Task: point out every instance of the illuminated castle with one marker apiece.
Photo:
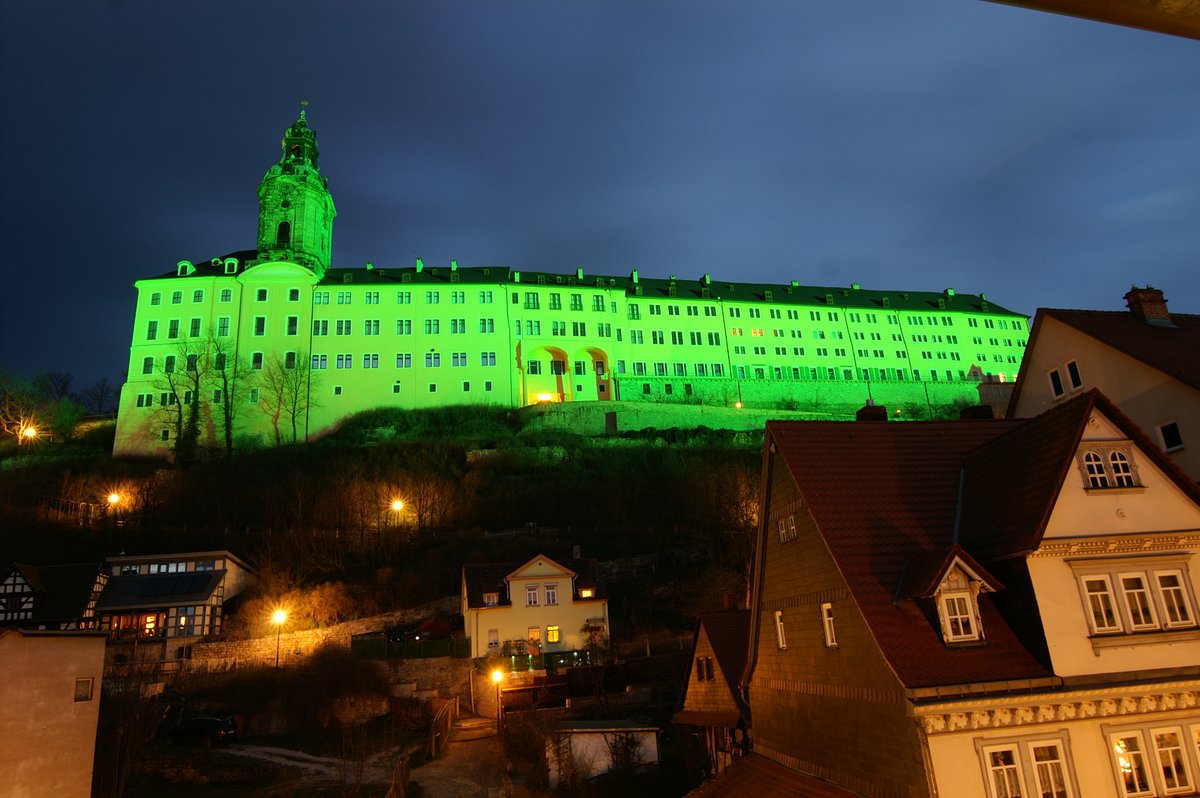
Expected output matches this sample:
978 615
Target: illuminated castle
274 343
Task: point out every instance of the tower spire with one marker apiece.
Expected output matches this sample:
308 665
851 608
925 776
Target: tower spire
295 210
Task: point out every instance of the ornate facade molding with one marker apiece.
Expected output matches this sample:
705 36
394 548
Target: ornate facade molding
1148 542
1011 712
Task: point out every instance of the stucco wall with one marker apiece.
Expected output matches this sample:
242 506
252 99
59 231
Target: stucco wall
48 737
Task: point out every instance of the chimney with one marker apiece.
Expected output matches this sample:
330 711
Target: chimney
1148 305
871 412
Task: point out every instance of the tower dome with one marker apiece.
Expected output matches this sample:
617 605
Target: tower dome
295 209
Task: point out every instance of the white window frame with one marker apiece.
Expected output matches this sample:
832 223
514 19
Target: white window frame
491 599
531 596
958 605
1109 595
1180 600
1096 466
1180 764
827 625
551 591
1026 773
780 634
1129 605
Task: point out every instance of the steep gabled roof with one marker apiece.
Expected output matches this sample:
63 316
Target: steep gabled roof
924 572
61 592
728 633
1173 350
1013 482
492 577
886 493
893 501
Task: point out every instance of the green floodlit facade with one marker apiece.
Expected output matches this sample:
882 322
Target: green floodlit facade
235 328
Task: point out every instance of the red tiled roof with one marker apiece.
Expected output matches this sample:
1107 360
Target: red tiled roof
755 776
1175 351
883 494
923 573
894 496
1171 350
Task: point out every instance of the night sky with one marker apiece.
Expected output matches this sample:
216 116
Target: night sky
1048 161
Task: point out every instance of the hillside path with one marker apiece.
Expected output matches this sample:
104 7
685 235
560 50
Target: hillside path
472 765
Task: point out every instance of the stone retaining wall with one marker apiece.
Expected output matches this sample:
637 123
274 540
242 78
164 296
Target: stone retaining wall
294 647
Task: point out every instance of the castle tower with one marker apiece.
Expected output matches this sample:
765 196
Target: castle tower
295 209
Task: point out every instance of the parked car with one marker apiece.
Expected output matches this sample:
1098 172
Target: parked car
203 731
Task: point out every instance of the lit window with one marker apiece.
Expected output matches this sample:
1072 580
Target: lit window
535 635
780 637
552 634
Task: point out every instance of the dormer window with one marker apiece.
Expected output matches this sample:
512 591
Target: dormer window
1108 466
491 599
957 599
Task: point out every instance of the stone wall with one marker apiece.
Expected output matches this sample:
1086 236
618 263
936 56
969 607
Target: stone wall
294 647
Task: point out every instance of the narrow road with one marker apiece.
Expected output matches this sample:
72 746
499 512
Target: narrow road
472 765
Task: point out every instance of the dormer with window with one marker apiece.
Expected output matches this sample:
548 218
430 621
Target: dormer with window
953 581
957 600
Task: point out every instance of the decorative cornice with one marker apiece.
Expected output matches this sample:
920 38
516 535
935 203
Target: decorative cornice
1145 542
1031 710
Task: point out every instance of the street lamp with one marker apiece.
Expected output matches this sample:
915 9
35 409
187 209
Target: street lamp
114 499
497 677
29 433
278 618
397 505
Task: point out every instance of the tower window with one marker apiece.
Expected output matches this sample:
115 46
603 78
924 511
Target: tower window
283 235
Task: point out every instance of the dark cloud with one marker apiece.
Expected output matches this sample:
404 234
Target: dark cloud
1045 160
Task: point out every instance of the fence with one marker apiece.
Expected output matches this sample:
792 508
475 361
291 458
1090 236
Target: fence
376 645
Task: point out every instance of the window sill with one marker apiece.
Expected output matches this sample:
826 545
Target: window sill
1117 490
1119 640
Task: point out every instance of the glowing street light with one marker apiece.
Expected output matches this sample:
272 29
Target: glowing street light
29 433
114 499
278 618
497 677
397 505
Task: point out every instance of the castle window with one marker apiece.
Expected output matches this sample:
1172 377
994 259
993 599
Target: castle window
148 365
156 298
176 297
283 234
261 295
226 294
293 295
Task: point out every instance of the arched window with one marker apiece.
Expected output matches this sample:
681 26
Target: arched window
283 235
1122 473
1095 470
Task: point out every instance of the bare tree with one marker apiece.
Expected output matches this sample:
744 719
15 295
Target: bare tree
232 378
286 385
180 379
99 397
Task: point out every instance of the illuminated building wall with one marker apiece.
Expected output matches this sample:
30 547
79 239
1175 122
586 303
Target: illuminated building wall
424 336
